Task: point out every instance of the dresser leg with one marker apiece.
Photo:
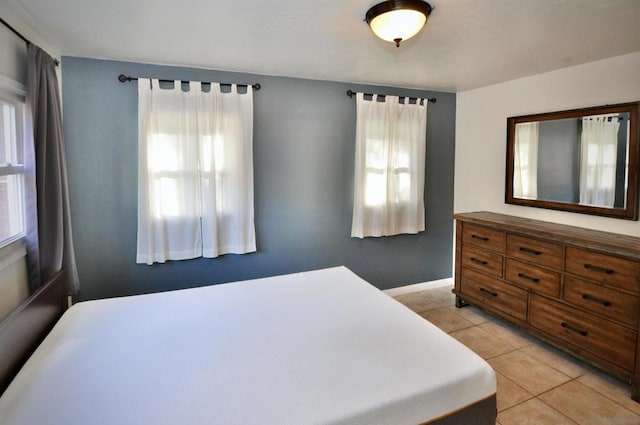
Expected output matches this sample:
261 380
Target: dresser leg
460 302
635 390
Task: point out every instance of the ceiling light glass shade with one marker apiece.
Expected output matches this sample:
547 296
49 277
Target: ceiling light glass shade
397 20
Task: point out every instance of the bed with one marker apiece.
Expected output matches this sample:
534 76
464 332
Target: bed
319 347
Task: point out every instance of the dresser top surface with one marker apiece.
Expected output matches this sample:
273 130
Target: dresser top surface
614 243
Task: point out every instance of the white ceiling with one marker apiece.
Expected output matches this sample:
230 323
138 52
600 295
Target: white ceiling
466 43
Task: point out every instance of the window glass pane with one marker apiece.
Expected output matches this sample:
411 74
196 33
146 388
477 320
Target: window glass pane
11 201
403 187
164 153
375 153
375 188
8 152
167 201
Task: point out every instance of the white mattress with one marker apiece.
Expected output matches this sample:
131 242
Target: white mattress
321 347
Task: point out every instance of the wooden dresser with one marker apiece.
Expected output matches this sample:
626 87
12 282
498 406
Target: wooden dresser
576 288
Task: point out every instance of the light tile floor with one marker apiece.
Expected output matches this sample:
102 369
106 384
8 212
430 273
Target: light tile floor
537 383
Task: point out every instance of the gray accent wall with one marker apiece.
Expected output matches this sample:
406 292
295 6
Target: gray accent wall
559 160
304 144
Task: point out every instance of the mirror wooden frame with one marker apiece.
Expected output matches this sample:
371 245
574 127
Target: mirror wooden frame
630 212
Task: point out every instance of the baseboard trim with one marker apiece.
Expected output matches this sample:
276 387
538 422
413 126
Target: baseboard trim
394 292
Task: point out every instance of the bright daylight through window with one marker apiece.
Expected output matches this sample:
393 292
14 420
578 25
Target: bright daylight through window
11 169
389 166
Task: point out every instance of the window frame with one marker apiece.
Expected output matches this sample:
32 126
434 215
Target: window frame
14 94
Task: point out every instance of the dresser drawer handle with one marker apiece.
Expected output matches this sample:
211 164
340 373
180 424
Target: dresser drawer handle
526 277
477 261
598 269
530 251
482 238
596 300
488 292
575 329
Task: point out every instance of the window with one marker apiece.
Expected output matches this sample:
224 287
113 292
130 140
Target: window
525 158
390 166
11 167
195 172
599 145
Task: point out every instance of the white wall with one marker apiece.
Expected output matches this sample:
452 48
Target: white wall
13 12
481 121
13 283
14 53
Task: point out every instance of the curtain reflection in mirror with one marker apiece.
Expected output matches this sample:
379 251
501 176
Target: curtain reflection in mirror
599 142
525 170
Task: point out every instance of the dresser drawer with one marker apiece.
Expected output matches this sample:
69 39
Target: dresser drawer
535 278
483 237
605 301
615 271
501 296
483 261
546 254
611 342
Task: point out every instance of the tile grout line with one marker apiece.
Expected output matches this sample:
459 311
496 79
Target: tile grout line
608 398
592 389
535 397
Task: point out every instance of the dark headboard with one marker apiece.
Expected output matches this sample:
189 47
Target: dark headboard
25 328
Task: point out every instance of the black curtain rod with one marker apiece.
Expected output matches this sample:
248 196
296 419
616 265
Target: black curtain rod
350 93
124 78
25 39
619 118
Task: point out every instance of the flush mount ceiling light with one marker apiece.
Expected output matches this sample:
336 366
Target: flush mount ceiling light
398 20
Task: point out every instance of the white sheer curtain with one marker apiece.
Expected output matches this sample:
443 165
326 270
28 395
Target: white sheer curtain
599 145
195 172
389 167
525 161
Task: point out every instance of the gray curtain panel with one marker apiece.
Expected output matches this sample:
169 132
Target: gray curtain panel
54 218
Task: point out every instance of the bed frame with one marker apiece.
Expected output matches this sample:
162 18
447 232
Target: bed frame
483 412
25 328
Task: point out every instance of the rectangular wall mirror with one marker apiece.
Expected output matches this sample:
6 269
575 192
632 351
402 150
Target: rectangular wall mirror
583 160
